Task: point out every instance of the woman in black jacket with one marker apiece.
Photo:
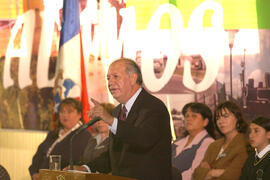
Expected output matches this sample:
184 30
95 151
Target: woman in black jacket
57 142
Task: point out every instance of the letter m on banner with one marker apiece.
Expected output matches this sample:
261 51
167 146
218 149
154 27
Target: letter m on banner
70 79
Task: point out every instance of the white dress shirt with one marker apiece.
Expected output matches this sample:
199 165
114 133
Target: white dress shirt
263 152
128 106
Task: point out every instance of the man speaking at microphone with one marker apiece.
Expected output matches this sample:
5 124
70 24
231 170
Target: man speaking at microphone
140 135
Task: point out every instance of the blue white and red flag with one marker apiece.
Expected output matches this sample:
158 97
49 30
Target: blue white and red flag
71 80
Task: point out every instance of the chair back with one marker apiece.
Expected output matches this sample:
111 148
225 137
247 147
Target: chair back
4 174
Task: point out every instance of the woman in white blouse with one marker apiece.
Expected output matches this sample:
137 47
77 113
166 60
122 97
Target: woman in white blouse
189 151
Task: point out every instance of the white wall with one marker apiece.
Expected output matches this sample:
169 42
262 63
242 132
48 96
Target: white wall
17 148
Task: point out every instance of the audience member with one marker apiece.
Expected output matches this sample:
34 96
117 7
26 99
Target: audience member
257 166
100 141
4 173
97 144
199 134
225 157
57 142
140 135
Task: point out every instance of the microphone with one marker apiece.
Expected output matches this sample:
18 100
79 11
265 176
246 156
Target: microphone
90 123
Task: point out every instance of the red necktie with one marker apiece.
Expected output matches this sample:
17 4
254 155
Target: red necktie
122 115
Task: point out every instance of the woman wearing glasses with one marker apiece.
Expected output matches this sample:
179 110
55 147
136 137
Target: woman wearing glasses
225 157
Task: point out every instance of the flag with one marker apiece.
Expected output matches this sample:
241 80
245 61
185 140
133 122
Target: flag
84 95
70 79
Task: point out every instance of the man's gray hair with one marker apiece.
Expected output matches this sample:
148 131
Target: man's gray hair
131 67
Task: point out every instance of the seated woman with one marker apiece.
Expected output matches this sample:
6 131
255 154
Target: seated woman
100 141
57 142
97 145
189 151
257 166
225 157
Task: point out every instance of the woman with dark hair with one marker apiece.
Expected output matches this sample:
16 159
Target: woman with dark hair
57 142
225 157
189 151
229 107
257 166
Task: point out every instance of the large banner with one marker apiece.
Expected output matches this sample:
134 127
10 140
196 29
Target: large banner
202 50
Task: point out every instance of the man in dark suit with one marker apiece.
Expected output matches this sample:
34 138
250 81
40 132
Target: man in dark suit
140 135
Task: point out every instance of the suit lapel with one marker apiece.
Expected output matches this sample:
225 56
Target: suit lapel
115 143
116 111
133 119
133 114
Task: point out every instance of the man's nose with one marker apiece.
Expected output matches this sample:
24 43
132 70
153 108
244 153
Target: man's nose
64 115
187 118
110 81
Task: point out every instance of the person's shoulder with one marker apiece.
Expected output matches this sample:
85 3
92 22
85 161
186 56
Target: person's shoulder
241 137
51 134
180 140
241 140
148 97
145 94
209 140
219 140
146 101
267 158
86 133
216 143
251 156
250 159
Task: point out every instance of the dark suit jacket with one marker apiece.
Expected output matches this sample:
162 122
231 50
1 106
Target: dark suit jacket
41 161
141 148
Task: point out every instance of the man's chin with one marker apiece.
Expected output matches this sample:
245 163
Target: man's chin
114 95
117 98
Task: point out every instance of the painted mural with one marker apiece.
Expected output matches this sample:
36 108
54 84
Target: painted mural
204 50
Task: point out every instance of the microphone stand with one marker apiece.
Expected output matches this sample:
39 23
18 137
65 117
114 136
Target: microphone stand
70 155
78 131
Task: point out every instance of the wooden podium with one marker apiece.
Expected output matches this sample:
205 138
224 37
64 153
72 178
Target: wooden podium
45 174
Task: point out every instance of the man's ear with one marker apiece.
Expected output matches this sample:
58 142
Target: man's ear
133 78
268 135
